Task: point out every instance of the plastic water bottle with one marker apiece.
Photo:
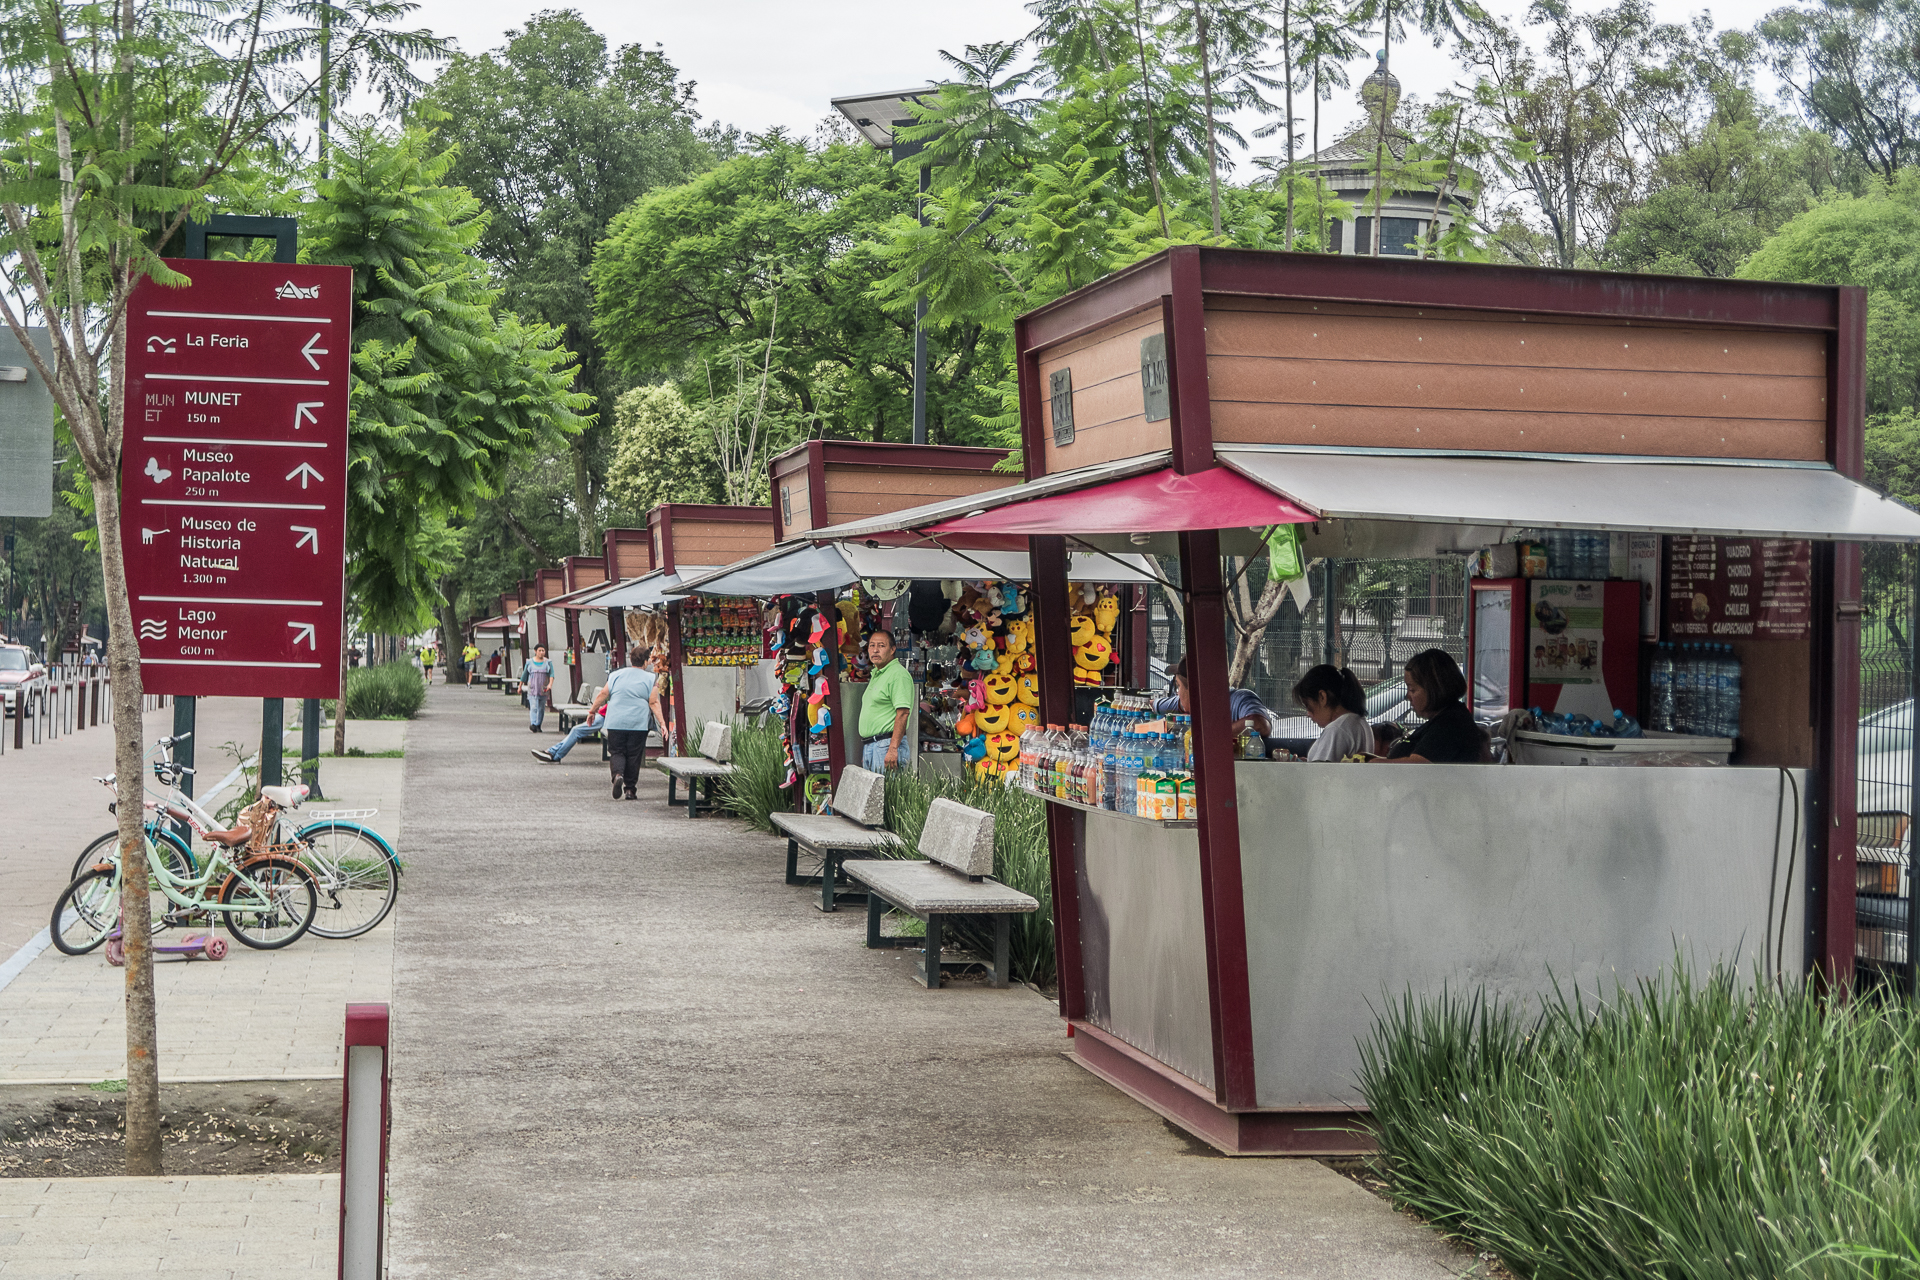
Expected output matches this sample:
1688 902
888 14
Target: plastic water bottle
1730 720
1559 553
1660 688
1625 726
1683 689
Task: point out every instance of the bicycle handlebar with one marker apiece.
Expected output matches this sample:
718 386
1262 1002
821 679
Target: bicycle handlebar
178 737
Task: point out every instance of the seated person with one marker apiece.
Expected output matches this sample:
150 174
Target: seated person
1243 705
1449 736
1385 734
596 717
1334 700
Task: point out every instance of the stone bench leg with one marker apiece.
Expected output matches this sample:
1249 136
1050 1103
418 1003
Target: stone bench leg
672 782
793 862
1002 947
877 907
930 961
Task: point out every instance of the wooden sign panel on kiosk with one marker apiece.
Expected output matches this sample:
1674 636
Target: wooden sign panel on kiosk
1198 348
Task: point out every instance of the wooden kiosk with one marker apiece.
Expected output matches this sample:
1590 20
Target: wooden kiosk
1221 970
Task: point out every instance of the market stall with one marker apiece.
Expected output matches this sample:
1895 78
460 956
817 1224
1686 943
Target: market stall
958 617
1220 962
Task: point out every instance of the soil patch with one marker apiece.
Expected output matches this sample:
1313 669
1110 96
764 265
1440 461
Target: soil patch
245 1126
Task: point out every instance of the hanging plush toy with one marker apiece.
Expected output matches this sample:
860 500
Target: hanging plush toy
1083 629
1090 659
1027 689
1000 690
1003 748
1024 718
993 720
1106 613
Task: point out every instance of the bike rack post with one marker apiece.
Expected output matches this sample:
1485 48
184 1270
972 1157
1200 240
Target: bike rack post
366 1120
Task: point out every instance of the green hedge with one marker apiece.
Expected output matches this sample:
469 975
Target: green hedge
390 691
1674 1131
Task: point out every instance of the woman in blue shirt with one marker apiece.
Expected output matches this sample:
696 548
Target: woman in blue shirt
632 700
1243 704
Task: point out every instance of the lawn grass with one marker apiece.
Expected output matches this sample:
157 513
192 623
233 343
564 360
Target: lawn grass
1678 1130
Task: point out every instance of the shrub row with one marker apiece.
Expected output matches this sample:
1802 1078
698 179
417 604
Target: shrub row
1677 1130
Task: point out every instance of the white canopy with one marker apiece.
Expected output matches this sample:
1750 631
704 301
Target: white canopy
803 567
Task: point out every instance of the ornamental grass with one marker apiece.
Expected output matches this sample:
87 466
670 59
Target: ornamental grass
1681 1129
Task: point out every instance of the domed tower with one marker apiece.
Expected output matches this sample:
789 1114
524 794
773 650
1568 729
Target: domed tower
1406 213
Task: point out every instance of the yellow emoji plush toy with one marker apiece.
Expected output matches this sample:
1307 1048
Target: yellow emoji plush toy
1083 629
1024 718
1003 748
993 720
1028 690
1000 689
1090 659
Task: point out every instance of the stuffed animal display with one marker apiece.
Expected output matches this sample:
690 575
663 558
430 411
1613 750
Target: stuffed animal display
992 625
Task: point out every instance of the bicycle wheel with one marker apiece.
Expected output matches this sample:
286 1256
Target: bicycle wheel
357 875
86 912
276 900
178 860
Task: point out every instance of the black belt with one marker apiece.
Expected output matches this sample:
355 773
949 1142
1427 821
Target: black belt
878 737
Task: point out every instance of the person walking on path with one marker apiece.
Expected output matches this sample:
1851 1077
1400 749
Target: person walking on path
884 708
632 700
427 656
470 658
538 676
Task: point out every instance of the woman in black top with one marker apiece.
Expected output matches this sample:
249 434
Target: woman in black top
1449 736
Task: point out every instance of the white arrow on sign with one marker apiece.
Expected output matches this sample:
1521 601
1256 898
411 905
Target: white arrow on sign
305 471
308 536
303 631
303 412
310 351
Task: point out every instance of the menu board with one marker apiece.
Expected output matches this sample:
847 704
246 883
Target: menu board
1739 588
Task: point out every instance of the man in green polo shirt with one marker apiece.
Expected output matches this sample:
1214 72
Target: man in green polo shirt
884 708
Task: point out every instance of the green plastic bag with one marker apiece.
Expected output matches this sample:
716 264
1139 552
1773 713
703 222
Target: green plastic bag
1283 548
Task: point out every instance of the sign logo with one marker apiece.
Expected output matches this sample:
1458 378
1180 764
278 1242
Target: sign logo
289 291
153 629
158 472
148 535
163 345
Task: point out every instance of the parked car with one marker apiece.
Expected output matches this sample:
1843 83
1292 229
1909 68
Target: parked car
23 681
1883 766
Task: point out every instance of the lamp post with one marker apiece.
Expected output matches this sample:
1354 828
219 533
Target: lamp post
876 116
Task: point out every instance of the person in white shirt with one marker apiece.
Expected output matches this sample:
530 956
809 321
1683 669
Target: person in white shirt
1335 701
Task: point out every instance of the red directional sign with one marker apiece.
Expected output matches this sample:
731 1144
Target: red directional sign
233 479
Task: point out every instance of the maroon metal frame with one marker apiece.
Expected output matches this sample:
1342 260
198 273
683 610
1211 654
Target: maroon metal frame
661 518
1178 283
368 1025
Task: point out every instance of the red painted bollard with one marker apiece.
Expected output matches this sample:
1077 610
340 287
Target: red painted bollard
365 1121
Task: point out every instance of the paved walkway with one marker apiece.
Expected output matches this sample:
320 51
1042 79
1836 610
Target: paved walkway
625 1048
265 1228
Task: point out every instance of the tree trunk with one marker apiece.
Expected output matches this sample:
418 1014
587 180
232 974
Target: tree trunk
340 704
1380 150
1153 129
1250 630
1206 85
123 660
583 495
1286 59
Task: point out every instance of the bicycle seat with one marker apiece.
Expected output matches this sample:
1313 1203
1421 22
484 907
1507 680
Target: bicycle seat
285 797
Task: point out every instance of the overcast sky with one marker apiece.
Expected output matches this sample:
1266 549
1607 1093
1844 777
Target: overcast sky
761 63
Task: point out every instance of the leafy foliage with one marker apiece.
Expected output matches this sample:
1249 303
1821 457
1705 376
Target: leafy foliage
663 450
1673 1130
449 388
392 690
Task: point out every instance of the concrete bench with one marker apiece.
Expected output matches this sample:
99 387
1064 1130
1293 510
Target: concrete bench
955 880
854 828
574 713
716 753
494 682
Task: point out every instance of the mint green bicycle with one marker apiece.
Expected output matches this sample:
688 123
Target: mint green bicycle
267 900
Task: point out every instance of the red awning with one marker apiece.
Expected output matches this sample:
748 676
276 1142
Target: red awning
1159 502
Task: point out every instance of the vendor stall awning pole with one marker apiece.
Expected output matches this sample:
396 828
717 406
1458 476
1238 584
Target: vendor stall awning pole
1066 828
1222 898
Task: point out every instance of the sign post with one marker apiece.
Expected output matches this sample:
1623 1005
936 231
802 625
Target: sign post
234 476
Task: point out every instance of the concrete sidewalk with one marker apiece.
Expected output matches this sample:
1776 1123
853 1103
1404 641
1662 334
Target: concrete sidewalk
624 1047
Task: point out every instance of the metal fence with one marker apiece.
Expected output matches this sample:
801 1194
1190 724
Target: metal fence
70 700
1884 765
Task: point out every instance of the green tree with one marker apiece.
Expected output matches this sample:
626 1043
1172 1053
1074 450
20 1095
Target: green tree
450 388
556 135
1853 66
117 123
689 279
663 450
